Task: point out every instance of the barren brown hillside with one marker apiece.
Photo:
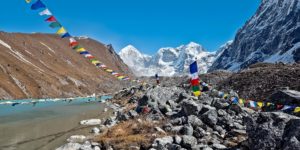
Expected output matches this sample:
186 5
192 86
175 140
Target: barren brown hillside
43 65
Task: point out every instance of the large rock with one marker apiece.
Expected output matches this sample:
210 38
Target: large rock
285 97
210 117
291 135
194 121
187 130
272 130
188 141
190 107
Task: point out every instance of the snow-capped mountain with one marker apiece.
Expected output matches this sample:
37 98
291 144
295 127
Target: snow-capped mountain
167 61
271 35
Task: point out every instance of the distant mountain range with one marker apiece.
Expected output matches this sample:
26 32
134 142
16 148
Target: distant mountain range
167 61
271 35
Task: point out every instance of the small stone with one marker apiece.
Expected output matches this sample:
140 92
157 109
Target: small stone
161 131
105 110
222 112
219 146
69 146
133 114
96 130
76 139
163 141
91 122
177 139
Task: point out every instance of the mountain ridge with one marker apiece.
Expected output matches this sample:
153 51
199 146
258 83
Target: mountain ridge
270 35
167 61
43 65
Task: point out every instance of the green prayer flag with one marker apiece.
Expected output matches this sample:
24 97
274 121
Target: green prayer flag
77 47
196 88
55 25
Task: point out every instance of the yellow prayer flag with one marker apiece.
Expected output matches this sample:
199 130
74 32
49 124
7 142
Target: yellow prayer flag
225 96
109 70
121 77
297 110
62 30
260 104
269 104
81 50
198 93
241 101
95 62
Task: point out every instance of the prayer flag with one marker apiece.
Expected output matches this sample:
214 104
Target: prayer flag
66 35
198 93
195 82
194 68
51 19
109 70
73 42
55 25
62 30
80 49
45 12
38 5
121 77
84 53
297 110
260 104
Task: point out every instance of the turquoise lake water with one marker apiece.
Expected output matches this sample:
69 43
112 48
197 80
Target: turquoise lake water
31 124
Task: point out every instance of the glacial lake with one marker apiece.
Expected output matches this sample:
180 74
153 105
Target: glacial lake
46 123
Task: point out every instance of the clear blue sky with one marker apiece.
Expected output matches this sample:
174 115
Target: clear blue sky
146 24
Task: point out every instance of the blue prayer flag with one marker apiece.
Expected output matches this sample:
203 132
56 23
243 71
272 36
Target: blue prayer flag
66 35
84 53
194 67
38 5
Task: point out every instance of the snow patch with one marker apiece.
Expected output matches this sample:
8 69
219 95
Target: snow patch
18 55
76 82
49 48
20 85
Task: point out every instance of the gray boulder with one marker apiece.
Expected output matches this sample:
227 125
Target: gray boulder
291 135
210 117
187 130
189 107
194 121
188 141
271 130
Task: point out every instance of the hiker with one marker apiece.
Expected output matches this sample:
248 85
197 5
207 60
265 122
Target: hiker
157 79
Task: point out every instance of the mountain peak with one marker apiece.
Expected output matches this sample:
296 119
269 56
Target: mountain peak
167 61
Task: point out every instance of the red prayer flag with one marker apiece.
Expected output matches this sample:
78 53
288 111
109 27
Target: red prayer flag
51 19
195 82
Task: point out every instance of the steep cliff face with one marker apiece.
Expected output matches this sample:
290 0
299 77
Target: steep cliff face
43 65
271 35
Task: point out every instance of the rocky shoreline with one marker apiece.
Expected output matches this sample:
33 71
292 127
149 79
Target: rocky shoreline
157 117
